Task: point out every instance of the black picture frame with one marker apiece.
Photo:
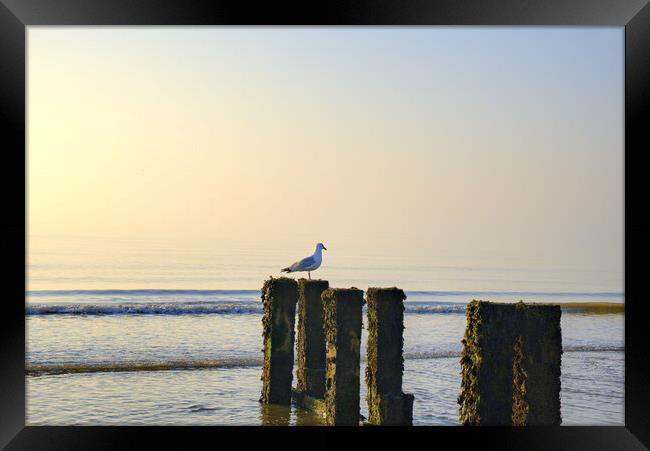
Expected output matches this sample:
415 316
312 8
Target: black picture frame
16 15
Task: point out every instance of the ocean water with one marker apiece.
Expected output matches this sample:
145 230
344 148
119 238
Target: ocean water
111 357
134 333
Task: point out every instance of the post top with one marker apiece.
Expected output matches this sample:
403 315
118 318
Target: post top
279 280
391 291
345 290
521 305
345 294
312 281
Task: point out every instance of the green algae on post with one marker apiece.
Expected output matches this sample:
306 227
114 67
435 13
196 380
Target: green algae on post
316 406
519 383
310 343
387 404
342 316
510 364
279 297
310 411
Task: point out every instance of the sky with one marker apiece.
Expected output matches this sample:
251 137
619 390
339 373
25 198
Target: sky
470 146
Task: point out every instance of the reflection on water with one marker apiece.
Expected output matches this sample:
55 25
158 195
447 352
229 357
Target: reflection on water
306 417
275 414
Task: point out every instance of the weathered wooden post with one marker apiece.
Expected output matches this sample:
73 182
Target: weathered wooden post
387 404
342 318
537 368
311 338
510 365
279 297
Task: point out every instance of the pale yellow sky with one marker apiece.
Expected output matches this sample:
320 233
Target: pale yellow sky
487 141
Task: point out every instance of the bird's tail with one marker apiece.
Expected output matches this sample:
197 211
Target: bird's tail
285 270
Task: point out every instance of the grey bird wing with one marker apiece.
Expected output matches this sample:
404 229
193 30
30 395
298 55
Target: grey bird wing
301 265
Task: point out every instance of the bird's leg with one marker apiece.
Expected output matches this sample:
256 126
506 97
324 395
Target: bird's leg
309 274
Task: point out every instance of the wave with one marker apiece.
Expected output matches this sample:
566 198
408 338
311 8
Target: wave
422 308
445 354
214 308
203 308
255 307
142 292
101 367
597 294
42 369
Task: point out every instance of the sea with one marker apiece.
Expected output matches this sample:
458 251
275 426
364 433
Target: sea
133 333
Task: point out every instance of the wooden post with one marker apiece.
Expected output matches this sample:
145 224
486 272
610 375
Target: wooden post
510 365
279 297
342 318
387 404
540 368
311 338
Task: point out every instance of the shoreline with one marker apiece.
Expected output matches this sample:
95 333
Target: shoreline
592 307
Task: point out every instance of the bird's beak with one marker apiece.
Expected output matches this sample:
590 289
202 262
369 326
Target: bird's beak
324 248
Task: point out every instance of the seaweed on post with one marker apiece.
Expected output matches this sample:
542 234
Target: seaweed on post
310 345
342 317
279 298
510 364
387 404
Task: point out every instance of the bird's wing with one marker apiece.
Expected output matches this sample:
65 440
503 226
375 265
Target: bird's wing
306 262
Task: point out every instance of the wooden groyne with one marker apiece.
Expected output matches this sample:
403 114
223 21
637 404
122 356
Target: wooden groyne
510 365
279 297
342 315
310 343
387 404
510 362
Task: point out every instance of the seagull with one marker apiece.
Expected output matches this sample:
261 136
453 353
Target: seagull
310 263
